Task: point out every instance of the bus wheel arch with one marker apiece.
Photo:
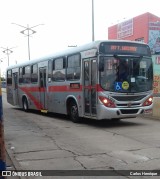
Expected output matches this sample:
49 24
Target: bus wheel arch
72 110
25 104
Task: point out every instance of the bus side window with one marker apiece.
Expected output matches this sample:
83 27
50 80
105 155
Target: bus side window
9 77
50 70
20 75
34 73
27 74
58 70
73 67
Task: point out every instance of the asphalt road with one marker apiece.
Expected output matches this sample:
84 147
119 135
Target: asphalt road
36 141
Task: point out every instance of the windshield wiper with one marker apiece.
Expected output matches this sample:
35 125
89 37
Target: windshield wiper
118 57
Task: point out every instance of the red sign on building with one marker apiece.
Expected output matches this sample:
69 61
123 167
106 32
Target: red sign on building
125 29
139 28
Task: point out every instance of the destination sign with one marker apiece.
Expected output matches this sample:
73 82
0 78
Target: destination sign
124 48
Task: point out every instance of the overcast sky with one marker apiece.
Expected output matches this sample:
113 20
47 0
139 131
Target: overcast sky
66 22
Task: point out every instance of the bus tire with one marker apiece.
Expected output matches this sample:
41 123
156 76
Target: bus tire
73 112
25 104
116 119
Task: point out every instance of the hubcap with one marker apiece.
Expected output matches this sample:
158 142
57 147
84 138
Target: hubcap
25 104
74 112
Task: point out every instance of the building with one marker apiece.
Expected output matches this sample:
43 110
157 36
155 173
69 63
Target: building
145 28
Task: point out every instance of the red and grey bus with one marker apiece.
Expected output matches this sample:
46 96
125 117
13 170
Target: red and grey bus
100 80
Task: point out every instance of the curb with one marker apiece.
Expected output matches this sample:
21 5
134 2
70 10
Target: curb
150 116
12 164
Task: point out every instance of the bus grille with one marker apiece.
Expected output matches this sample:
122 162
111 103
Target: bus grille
129 98
130 111
131 105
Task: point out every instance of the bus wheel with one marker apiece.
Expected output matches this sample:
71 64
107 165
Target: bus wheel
116 119
73 112
25 104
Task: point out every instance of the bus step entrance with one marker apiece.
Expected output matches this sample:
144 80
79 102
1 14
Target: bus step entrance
44 110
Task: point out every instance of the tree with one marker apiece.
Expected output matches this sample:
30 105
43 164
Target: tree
3 79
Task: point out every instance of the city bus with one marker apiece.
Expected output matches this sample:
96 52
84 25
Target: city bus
109 79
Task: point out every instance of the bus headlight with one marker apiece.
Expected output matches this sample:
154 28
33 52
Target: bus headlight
149 101
107 102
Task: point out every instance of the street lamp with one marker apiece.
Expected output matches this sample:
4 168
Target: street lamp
7 51
28 31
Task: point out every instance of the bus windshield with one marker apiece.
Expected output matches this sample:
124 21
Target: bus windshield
126 74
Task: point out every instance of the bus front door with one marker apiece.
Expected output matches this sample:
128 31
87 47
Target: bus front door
15 88
42 88
90 78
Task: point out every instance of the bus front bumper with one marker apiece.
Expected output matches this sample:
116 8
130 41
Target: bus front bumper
111 113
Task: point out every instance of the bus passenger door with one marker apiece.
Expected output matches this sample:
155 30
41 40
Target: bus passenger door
89 81
15 88
42 88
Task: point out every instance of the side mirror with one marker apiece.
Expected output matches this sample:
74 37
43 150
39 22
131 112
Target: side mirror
101 64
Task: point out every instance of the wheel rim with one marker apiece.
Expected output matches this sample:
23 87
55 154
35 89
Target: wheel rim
74 112
25 105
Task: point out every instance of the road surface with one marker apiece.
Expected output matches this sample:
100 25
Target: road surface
38 141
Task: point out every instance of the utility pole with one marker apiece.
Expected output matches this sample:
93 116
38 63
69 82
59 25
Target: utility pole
28 31
92 20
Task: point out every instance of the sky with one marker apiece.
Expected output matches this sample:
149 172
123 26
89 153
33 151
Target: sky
60 23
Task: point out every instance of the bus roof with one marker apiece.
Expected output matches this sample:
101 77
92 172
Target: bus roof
85 47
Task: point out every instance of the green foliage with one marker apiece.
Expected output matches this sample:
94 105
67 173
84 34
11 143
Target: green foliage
3 79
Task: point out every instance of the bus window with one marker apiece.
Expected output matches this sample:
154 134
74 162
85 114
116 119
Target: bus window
59 70
109 73
20 75
34 73
94 74
9 77
73 67
26 74
50 70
